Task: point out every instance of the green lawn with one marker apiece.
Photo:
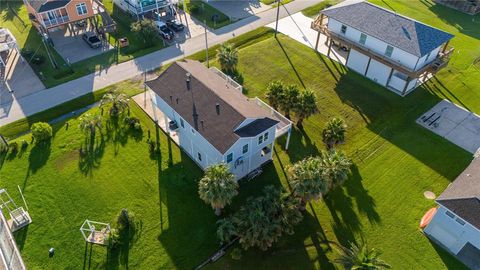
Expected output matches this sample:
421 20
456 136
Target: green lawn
28 38
204 12
395 162
314 10
274 2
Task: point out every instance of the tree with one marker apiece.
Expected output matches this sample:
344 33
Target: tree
227 56
41 131
146 31
360 257
307 179
119 101
275 92
89 123
334 133
218 187
306 106
335 167
262 220
289 99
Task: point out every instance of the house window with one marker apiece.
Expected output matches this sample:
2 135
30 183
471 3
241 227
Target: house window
426 57
450 214
182 123
81 9
199 156
229 157
389 51
266 150
260 139
461 222
265 137
245 149
363 38
343 29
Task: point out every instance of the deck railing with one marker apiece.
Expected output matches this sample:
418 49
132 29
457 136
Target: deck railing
227 78
284 125
10 257
56 21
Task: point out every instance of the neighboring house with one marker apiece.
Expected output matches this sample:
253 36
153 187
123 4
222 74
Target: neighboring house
50 15
213 121
456 224
471 7
10 258
139 8
7 44
394 51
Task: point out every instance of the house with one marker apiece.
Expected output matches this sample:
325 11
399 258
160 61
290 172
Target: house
394 51
50 15
456 223
8 43
212 121
10 257
140 8
471 7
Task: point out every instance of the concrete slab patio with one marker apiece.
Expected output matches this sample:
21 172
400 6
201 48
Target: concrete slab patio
454 123
237 10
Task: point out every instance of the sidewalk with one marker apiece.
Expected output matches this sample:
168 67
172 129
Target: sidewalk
45 99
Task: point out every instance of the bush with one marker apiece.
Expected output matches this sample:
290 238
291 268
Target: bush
38 59
146 31
133 123
24 144
13 146
41 131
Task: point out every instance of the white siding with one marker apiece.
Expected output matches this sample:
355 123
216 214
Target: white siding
428 58
378 72
357 61
450 233
374 44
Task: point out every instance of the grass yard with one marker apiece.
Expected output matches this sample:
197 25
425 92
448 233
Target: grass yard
28 38
274 2
395 159
314 10
203 12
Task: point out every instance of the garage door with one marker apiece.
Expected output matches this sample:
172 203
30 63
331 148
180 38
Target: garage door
378 72
443 236
357 61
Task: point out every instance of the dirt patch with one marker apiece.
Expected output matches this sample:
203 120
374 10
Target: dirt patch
65 159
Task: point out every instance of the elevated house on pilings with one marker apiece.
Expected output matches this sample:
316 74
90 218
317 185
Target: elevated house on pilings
471 7
51 15
8 43
146 8
392 50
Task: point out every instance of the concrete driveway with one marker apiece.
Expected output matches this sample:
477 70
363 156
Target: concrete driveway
237 10
73 48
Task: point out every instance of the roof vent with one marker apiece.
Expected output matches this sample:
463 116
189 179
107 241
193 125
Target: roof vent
188 81
217 107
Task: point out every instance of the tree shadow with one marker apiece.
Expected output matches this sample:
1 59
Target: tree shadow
91 153
291 63
39 155
365 203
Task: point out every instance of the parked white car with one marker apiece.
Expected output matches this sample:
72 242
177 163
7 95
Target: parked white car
164 31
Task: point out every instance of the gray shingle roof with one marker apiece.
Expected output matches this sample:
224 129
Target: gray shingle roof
462 195
402 32
207 89
256 127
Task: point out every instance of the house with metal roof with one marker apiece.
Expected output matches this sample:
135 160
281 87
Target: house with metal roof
395 51
212 121
456 223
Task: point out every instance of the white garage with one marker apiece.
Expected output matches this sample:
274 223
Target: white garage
357 61
378 72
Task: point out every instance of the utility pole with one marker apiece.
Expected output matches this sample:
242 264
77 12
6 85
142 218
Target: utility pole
206 42
279 2
44 38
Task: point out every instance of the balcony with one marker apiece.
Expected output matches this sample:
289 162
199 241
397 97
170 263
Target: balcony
149 5
55 21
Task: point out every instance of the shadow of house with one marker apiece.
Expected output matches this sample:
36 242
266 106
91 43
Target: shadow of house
465 24
448 260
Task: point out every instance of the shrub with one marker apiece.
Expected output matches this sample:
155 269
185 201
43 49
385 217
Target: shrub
133 123
146 31
41 131
24 144
13 146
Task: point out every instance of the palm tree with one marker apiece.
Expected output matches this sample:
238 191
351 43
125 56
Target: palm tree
226 230
218 187
360 257
119 101
227 57
334 133
89 123
275 92
335 167
289 99
307 180
306 106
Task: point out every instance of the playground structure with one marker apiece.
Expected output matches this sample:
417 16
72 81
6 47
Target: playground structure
95 232
19 217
